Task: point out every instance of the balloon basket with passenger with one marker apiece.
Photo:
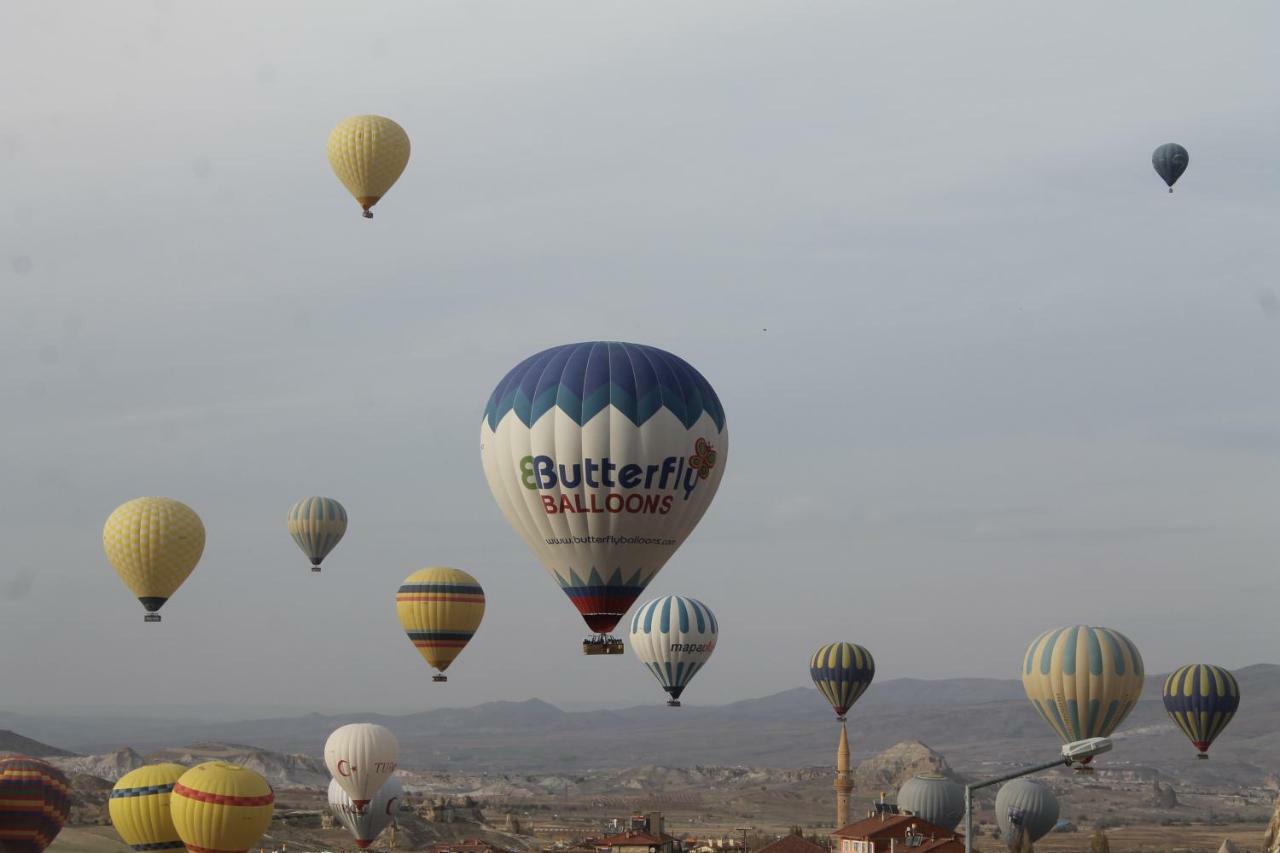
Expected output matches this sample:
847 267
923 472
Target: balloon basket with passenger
602 644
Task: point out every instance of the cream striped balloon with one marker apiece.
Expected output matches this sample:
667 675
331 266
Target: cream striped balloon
153 544
368 153
317 524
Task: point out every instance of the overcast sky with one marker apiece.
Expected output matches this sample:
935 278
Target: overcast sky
1007 382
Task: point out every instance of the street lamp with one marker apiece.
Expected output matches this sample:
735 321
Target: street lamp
1079 750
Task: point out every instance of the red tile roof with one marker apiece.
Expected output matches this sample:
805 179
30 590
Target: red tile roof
793 844
892 826
633 839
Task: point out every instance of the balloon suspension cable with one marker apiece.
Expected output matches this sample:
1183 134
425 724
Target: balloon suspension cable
439 676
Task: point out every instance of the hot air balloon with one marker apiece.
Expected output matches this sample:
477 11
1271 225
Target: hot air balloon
35 799
361 757
368 153
440 609
1201 699
317 525
842 672
218 806
367 825
603 457
933 798
674 637
1025 807
1083 681
139 807
1170 161
153 544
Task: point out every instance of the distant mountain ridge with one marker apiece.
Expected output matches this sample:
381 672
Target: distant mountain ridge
975 723
14 743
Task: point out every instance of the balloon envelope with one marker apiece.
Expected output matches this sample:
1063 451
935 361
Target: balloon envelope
1170 161
933 798
842 672
35 799
140 807
440 609
361 757
221 806
317 525
1083 681
674 637
378 815
1201 699
153 544
603 457
1025 806
368 153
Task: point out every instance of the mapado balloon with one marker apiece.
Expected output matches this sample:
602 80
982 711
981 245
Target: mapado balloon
603 456
153 544
1083 681
361 757
317 524
140 807
367 825
440 609
1201 699
842 672
674 637
1170 161
223 807
368 153
35 799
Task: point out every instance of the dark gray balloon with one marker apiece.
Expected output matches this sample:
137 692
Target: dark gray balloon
1025 805
1170 161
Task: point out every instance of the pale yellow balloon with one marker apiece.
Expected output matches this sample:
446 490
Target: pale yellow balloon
368 153
153 544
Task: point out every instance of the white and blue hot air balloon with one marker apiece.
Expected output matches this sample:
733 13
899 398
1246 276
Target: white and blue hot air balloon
603 456
365 826
674 637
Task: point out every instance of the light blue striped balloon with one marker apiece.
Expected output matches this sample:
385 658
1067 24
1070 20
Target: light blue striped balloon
674 637
317 524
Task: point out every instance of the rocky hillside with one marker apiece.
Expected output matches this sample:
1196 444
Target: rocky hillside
281 770
14 743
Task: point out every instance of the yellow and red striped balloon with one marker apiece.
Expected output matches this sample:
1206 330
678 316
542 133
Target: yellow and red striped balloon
35 799
221 808
440 609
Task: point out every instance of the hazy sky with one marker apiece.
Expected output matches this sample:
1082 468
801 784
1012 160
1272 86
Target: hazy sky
1008 381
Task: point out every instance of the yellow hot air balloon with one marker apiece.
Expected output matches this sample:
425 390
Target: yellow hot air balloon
153 544
1082 680
221 807
440 609
139 807
368 153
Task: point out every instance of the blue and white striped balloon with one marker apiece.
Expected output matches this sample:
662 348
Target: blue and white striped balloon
317 524
674 636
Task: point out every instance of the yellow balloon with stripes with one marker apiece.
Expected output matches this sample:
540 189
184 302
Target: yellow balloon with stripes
1082 680
139 807
440 609
1201 699
153 544
368 153
219 807
317 525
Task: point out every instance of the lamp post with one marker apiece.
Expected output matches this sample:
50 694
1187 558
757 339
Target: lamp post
1071 753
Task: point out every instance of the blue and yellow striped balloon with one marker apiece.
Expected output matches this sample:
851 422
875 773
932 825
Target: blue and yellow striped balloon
842 673
1083 681
1201 699
139 807
317 525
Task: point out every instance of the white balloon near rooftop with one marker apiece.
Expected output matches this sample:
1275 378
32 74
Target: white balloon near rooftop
367 825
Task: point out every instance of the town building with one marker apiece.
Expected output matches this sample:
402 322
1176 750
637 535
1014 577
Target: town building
793 844
885 832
